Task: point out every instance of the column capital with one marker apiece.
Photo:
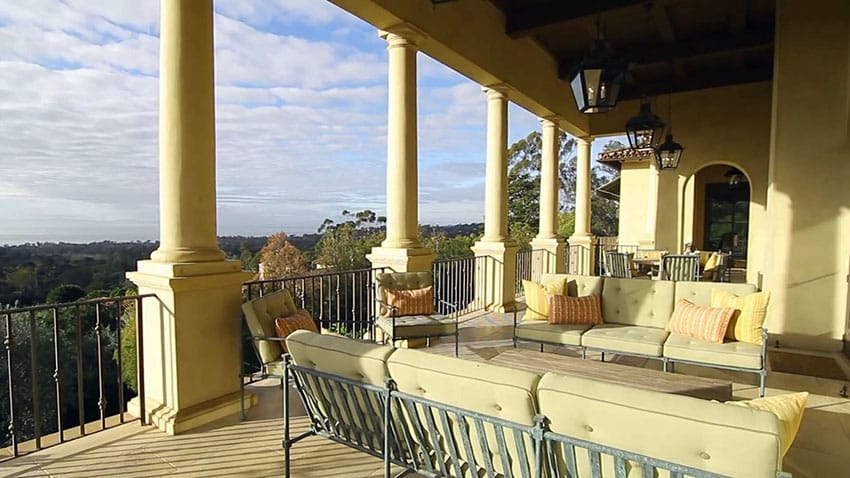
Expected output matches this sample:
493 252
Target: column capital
549 121
497 91
402 34
584 140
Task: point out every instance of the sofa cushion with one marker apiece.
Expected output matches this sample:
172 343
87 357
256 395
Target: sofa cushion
260 315
747 324
410 326
575 310
412 301
787 408
539 331
628 339
700 292
704 323
647 303
537 296
731 354
352 359
577 285
718 438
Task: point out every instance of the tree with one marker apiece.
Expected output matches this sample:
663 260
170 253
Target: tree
344 245
446 247
65 293
279 258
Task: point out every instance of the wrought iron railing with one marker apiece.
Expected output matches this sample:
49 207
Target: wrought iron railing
523 269
339 301
66 371
455 282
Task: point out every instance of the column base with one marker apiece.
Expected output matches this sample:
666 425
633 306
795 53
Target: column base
548 256
498 289
582 255
174 421
402 260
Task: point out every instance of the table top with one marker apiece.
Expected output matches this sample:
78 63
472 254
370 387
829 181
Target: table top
647 379
646 261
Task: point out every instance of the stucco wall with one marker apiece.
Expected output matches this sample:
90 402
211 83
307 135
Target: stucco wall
634 177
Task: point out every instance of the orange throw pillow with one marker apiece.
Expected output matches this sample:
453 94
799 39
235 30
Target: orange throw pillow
412 301
585 310
300 320
704 323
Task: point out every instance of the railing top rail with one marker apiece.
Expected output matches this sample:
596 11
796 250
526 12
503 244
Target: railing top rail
62 305
313 276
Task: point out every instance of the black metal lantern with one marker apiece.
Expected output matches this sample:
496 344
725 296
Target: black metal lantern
597 79
645 129
669 153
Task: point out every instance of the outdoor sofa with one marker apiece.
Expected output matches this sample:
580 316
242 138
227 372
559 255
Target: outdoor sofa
635 314
443 416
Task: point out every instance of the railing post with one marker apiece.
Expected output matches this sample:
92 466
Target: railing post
36 394
140 361
7 343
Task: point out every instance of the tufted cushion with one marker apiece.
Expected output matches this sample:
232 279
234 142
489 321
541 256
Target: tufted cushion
747 323
685 430
704 323
540 331
629 339
300 320
352 359
575 310
647 303
493 390
260 314
731 354
412 301
401 281
700 292
410 326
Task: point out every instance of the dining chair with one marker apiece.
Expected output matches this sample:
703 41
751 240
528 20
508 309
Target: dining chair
618 264
680 267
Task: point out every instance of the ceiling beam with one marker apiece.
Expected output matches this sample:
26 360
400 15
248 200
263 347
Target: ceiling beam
698 82
524 21
672 52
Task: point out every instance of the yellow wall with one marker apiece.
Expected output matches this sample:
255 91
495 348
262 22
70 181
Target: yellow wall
809 202
633 201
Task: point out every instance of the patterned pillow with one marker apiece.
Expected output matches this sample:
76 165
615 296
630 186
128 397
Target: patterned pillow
537 297
301 319
746 325
586 310
412 301
787 408
704 323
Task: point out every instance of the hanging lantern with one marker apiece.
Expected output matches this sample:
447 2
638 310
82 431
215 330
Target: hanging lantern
645 129
669 153
597 79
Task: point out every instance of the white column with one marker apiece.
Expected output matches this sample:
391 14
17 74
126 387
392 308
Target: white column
402 250
499 267
197 292
582 253
548 255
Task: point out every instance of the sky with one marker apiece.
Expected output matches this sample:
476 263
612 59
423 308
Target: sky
301 101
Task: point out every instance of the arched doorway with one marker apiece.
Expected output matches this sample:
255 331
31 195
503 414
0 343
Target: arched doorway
721 212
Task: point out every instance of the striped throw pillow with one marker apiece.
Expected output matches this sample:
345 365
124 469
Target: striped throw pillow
585 310
412 301
704 323
300 320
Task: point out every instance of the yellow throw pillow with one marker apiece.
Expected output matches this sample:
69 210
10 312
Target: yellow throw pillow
787 408
412 301
537 297
586 310
704 323
746 325
712 261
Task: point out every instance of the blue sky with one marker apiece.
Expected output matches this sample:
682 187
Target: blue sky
300 114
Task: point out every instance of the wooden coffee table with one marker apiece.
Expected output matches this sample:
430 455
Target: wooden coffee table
541 362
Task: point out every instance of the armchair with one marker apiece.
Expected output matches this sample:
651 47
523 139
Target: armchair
406 308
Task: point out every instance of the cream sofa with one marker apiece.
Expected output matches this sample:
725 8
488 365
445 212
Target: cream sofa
453 417
635 313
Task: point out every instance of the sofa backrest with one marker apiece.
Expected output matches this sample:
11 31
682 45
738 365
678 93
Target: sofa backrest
259 316
700 292
647 303
352 359
706 435
576 285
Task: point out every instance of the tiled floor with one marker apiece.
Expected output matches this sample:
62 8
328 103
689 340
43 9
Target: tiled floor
231 448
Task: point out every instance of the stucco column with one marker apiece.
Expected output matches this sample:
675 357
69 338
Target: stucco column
548 248
647 241
401 249
582 255
496 247
191 329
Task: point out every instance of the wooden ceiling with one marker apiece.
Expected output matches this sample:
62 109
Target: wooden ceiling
669 45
